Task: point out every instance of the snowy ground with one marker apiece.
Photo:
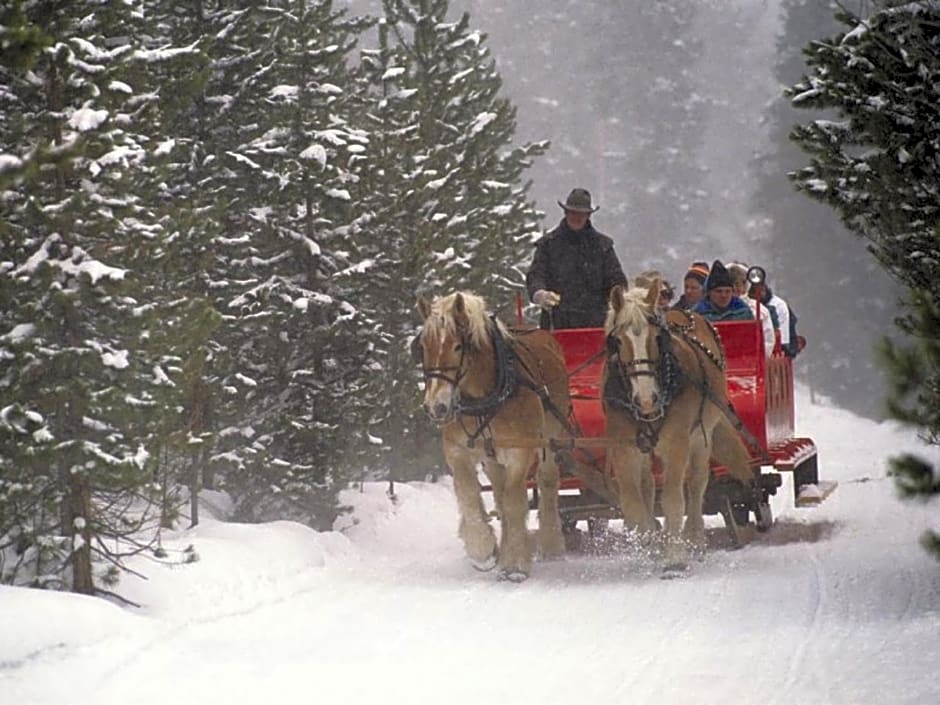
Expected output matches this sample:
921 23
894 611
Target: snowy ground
836 605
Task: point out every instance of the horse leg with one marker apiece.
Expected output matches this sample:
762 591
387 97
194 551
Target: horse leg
474 528
515 547
648 490
636 490
698 473
550 539
675 457
497 477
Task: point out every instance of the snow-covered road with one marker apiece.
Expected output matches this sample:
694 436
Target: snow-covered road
836 605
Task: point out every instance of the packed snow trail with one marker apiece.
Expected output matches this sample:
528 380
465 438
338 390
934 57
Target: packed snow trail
835 605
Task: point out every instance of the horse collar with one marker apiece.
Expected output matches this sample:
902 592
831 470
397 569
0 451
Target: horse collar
505 386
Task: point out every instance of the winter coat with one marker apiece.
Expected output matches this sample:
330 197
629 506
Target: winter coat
582 267
767 325
780 311
683 305
793 349
737 311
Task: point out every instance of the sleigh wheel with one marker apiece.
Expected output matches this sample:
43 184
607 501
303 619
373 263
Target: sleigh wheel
763 515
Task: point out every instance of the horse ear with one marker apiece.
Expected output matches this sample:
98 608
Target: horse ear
424 306
652 294
615 297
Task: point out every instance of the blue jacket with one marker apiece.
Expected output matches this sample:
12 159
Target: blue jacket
737 310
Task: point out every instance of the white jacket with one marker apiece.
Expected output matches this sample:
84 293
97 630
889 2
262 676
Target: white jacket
766 323
783 317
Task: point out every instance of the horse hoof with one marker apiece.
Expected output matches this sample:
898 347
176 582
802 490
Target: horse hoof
486 565
513 575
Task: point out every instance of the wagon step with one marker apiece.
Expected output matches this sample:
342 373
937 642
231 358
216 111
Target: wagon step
812 494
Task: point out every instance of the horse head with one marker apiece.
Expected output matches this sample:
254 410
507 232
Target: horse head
633 327
454 332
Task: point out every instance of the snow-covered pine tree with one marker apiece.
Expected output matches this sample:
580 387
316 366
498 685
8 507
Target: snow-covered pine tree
444 194
876 163
806 242
293 357
82 231
914 375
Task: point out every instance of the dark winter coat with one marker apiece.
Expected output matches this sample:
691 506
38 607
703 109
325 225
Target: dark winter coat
579 265
682 305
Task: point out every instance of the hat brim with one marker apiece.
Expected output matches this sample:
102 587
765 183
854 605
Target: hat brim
577 209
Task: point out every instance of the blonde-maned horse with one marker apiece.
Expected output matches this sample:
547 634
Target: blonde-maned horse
487 388
663 382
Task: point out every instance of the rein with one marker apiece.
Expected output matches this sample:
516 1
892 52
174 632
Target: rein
669 378
508 378
485 408
505 379
666 371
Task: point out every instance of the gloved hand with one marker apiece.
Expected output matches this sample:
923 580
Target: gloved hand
546 299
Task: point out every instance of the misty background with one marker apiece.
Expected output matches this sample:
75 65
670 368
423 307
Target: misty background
672 113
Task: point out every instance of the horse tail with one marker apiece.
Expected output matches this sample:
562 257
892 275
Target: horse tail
729 450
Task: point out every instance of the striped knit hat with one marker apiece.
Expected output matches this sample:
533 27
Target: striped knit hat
698 271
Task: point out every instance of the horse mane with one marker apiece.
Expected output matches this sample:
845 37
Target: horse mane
442 320
633 313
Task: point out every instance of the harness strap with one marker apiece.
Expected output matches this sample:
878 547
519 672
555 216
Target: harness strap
596 356
570 423
506 379
728 410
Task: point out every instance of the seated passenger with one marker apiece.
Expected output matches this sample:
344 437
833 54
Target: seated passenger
646 278
665 296
779 310
739 283
720 303
693 287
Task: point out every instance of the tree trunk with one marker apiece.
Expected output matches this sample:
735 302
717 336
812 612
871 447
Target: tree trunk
79 529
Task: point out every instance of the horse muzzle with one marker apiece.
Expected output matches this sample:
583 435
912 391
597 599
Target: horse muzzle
441 409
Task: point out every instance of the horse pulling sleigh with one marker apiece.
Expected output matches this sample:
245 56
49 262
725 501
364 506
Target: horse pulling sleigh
652 415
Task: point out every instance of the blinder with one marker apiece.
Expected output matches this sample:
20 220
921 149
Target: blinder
664 370
417 352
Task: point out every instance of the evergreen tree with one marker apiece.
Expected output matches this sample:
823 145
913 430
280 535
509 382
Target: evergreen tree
78 360
284 155
914 373
876 163
805 241
444 203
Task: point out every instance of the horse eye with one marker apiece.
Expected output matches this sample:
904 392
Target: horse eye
458 347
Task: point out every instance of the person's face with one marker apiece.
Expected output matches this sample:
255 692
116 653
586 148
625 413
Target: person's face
665 297
693 290
740 287
721 297
576 220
